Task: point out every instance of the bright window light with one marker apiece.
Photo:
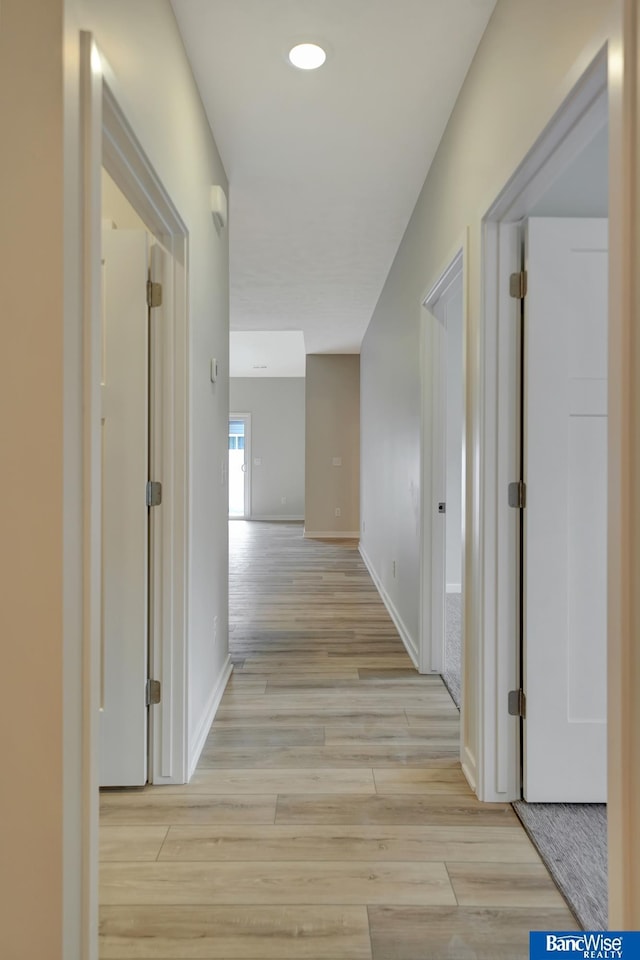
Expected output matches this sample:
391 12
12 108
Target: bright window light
307 56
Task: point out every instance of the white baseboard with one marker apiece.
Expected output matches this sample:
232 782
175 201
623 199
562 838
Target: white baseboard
274 517
195 749
454 588
408 641
469 768
332 534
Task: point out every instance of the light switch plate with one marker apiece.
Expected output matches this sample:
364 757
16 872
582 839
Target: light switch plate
337 461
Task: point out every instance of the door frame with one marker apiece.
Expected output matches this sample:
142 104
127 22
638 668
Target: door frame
247 459
126 163
434 439
108 140
580 117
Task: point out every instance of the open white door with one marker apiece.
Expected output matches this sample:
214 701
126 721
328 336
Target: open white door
565 533
125 452
444 363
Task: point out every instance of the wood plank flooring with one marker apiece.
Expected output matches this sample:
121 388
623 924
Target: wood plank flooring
329 818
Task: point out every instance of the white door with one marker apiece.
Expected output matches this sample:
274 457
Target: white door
125 452
565 532
446 477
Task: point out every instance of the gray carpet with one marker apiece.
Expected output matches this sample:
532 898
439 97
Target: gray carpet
452 672
572 840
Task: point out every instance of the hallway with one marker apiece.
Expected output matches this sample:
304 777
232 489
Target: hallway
328 818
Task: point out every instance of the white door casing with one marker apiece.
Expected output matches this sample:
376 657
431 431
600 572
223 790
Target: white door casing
125 411
491 743
160 605
108 139
565 535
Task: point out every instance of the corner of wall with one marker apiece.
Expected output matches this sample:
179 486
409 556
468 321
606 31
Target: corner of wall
408 640
197 742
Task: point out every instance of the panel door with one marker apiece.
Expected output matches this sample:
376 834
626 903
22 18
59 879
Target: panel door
565 532
125 413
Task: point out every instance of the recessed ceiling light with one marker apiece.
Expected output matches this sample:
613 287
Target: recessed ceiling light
307 56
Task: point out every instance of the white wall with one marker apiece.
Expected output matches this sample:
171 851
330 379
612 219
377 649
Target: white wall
454 440
277 406
529 57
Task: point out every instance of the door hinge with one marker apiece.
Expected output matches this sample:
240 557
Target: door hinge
517 703
152 692
154 294
518 285
154 493
518 495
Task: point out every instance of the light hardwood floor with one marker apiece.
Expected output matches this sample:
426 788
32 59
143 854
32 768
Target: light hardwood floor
328 818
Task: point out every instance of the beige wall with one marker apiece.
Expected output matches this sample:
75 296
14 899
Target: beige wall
31 479
332 430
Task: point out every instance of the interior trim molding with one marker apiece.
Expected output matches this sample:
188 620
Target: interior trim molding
195 749
332 534
408 641
274 518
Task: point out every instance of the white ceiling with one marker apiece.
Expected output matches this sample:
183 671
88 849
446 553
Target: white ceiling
267 353
324 167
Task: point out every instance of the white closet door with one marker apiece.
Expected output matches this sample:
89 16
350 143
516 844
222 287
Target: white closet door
125 392
565 541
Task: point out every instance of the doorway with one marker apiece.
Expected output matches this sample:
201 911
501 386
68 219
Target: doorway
239 466
546 245
582 118
445 363
552 273
154 686
127 425
563 648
